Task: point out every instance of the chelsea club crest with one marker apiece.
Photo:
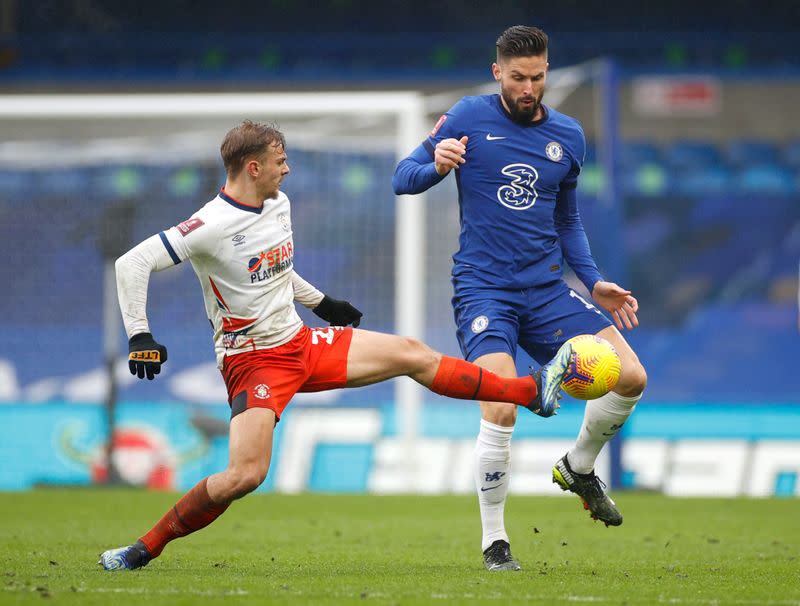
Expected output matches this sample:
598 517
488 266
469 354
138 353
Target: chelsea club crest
480 324
554 151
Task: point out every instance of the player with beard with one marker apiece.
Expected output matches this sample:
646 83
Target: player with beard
517 163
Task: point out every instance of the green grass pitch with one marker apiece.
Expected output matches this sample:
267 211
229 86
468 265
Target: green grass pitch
321 549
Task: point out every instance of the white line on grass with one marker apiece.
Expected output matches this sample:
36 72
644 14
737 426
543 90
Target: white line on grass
600 599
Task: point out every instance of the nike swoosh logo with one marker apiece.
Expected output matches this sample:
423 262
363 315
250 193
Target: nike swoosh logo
491 138
490 488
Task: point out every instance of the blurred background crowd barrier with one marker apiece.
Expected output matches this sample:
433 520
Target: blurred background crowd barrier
690 195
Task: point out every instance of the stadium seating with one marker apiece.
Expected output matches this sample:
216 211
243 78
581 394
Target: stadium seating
356 42
709 234
791 154
692 155
751 152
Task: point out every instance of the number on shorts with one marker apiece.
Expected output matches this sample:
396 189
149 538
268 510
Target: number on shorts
588 305
322 333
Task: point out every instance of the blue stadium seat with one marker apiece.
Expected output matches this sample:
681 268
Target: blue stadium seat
791 154
641 169
648 231
648 179
636 153
766 179
687 154
13 181
702 180
64 181
185 181
117 181
591 153
744 153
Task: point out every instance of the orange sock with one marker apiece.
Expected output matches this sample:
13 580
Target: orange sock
194 511
466 381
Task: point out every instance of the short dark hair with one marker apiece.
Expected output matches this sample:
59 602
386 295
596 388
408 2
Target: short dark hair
248 140
521 41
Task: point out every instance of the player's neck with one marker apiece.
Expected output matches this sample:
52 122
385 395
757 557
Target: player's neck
243 194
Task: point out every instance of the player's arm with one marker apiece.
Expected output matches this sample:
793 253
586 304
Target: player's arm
166 249
338 313
417 172
574 243
427 165
575 247
441 152
133 269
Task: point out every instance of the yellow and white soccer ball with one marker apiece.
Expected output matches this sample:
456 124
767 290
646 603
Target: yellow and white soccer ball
593 368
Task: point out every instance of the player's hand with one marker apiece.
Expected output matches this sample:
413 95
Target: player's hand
338 313
618 302
449 154
145 356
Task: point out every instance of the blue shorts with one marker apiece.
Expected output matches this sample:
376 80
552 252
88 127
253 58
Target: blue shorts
538 319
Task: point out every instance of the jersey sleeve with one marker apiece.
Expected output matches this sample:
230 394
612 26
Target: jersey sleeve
304 292
574 243
133 271
577 155
417 172
196 236
451 125
165 249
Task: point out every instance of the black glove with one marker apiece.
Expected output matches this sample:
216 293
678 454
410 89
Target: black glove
145 355
338 313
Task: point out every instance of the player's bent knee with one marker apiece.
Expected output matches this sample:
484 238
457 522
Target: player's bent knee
501 414
633 381
418 356
246 481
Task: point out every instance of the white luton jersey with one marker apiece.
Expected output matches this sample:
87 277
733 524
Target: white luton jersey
243 257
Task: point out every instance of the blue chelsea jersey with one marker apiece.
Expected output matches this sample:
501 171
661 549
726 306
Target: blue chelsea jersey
511 194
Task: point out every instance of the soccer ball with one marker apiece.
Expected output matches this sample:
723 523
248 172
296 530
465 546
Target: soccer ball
593 368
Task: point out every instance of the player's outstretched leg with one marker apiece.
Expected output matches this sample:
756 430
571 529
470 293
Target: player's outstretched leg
125 558
548 381
590 489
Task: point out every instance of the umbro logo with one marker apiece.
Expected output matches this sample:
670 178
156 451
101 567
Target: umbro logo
489 137
238 239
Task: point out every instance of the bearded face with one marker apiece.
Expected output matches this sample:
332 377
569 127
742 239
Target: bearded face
522 83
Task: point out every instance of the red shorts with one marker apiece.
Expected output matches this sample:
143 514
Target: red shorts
314 360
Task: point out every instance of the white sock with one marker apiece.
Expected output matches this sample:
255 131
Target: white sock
602 419
492 466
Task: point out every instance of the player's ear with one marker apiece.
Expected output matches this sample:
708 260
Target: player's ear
253 168
496 71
